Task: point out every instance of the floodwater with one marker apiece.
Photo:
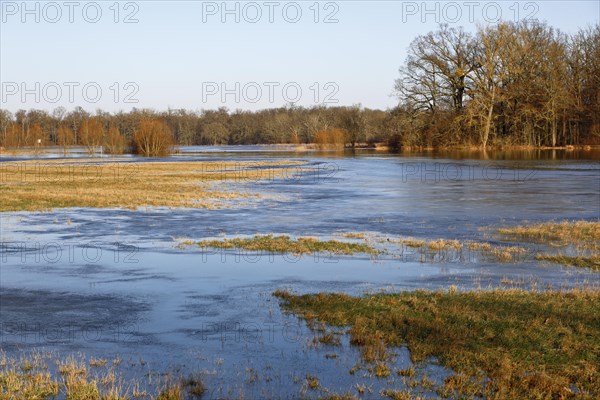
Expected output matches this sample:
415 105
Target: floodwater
114 283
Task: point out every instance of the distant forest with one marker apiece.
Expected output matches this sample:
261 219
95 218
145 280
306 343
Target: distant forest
510 84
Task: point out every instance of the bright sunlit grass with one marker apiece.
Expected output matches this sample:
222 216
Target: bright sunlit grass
34 186
284 244
30 378
580 233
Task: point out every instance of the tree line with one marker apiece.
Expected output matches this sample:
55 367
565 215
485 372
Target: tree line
506 84
119 132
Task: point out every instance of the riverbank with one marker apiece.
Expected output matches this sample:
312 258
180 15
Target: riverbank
380 146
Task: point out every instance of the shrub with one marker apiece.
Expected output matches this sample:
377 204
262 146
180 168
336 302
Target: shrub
331 138
91 133
65 137
115 142
153 138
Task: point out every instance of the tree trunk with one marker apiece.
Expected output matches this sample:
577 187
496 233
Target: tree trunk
488 122
553 132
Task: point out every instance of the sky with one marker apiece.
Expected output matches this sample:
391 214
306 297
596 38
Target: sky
116 55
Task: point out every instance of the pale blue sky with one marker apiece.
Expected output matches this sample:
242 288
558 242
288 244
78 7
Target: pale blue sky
180 54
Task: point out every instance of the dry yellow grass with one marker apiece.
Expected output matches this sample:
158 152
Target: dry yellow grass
439 244
580 233
411 242
580 240
26 378
444 244
400 395
354 235
29 377
284 244
479 246
35 186
572 261
499 253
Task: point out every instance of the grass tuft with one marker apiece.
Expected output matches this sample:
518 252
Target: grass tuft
29 378
312 382
283 244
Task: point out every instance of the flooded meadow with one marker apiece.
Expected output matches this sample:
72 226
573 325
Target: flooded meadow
154 290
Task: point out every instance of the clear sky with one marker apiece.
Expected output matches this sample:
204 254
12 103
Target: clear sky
242 55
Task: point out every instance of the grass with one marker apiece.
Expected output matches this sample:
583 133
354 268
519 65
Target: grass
505 253
284 244
308 245
312 382
409 372
98 362
583 235
37 385
399 395
439 244
354 235
581 262
411 242
500 253
33 186
30 378
327 338
339 396
580 233
382 370
579 236
170 393
500 344
444 244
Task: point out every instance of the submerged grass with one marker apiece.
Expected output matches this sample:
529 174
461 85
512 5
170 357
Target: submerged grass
284 244
33 186
583 238
500 344
438 244
354 235
400 395
30 378
580 239
452 244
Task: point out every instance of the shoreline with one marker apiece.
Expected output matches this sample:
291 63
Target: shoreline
317 147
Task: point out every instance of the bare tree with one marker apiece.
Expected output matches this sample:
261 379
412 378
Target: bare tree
437 69
114 142
153 137
65 137
91 134
215 133
489 76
